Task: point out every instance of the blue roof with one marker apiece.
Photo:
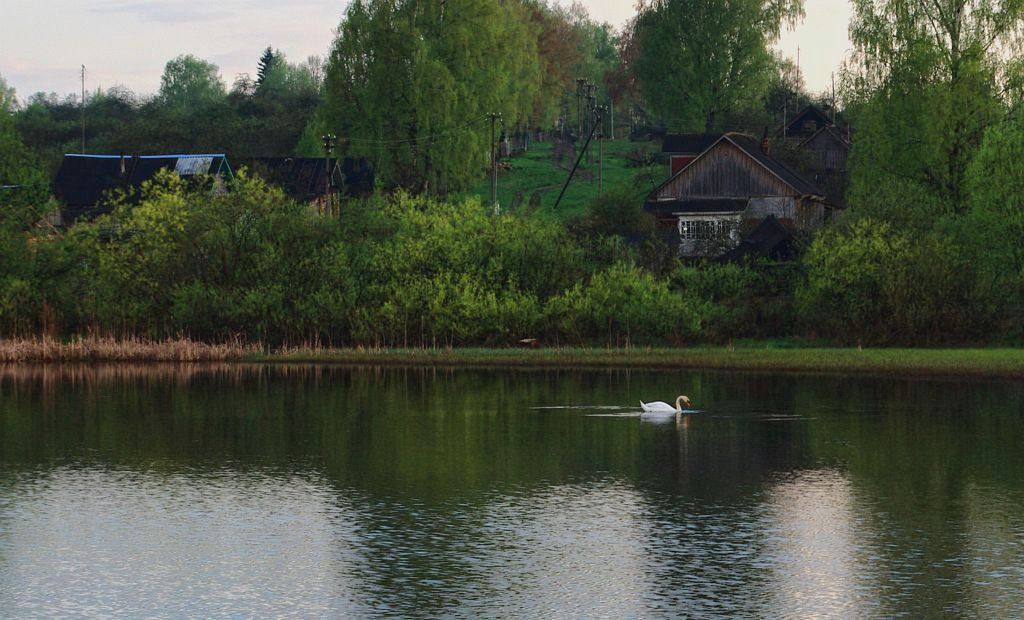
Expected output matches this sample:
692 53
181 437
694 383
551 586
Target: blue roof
146 156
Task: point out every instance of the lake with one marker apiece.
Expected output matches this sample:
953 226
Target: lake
297 491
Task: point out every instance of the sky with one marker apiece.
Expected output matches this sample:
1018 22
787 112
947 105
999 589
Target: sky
43 43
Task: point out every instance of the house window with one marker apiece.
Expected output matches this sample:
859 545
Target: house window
704 230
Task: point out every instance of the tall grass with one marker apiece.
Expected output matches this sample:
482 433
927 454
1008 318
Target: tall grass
131 349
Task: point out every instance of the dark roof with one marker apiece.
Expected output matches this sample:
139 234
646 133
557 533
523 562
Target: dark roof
696 205
810 113
304 178
830 130
689 143
771 239
84 180
752 147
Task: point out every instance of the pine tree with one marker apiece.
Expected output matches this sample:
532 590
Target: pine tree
268 61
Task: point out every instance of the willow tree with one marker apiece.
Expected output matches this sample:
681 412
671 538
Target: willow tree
699 60
409 85
928 77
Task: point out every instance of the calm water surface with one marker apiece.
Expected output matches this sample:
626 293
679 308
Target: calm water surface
305 491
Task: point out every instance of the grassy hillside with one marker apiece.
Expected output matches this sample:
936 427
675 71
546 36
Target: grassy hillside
537 177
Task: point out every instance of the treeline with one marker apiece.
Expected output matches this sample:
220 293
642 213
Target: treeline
409 85
396 270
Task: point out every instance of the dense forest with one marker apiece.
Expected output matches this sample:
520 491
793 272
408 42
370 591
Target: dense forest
927 251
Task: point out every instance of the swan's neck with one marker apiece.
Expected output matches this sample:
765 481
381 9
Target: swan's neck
679 404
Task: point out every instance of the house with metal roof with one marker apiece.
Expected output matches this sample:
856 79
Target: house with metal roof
730 188
87 185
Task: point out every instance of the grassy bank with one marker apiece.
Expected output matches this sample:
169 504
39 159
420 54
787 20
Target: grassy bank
977 363
969 363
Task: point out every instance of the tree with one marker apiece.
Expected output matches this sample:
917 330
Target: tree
267 63
699 60
928 77
189 81
8 97
409 85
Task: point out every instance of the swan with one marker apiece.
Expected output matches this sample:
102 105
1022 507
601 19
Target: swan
660 407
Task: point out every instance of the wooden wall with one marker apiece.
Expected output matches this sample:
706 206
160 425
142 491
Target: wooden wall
725 172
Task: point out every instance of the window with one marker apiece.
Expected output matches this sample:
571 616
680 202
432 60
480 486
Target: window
704 230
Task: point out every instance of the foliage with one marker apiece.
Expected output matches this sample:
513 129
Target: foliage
189 82
686 83
625 304
928 80
8 97
876 283
418 106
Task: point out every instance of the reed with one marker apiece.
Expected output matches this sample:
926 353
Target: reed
130 349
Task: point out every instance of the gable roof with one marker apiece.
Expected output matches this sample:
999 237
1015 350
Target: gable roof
752 148
689 143
831 131
809 113
83 180
786 174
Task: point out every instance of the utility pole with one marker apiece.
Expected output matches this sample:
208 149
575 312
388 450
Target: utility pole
329 141
600 147
611 109
591 111
580 85
833 99
83 109
494 116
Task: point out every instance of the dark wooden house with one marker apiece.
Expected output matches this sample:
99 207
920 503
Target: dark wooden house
827 153
304 179
730 189
87 185
804 124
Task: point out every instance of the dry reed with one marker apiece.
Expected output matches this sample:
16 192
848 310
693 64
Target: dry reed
132 349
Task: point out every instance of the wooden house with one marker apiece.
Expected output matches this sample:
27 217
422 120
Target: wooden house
304 179
729 189
86 184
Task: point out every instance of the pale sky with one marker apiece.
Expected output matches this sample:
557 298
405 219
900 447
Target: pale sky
128 42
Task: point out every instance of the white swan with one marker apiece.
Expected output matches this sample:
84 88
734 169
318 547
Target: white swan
660 407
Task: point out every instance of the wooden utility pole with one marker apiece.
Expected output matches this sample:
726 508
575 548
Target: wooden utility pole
580 86
611 110
83 109
600 150
494 116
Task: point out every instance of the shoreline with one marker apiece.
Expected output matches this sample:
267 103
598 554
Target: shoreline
931 363
980 363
